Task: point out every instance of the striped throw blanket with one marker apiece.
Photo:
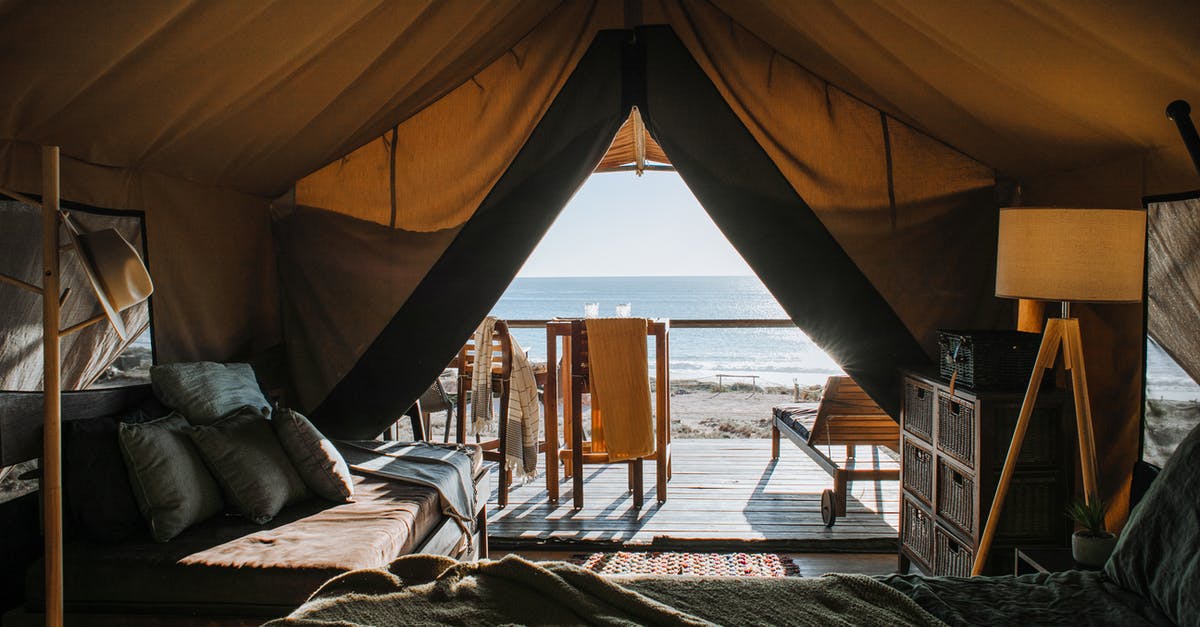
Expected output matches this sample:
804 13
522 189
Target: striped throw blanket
524 417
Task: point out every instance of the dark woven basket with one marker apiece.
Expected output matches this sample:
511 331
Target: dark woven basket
953 558
1033 507
916 531
918 410
991 360
918 470
956 498
1042 445
956 429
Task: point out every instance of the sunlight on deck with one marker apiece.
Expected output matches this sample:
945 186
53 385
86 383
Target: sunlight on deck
723 491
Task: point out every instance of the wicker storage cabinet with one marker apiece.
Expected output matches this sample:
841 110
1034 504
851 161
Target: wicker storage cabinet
952 454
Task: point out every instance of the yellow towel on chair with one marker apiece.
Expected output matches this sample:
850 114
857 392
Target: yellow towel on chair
620 384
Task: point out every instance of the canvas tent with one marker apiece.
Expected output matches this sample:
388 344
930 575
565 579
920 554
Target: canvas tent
358 181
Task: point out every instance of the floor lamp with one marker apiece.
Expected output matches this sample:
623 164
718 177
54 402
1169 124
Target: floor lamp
119 280
1067 255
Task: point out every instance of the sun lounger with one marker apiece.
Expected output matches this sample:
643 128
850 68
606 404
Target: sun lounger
845 416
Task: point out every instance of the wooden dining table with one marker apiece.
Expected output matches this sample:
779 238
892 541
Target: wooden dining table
561 330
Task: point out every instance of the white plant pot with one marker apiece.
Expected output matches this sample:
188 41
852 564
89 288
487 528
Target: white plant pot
1091 550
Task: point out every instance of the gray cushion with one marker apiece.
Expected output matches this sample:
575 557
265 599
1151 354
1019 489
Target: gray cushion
172 486
205 391
318 462
1156 556
255 474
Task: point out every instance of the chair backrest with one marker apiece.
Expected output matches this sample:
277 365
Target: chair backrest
501 353
847 415
630 427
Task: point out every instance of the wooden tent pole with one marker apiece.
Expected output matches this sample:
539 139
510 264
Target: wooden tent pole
51 390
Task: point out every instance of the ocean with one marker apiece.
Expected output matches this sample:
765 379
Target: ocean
775 356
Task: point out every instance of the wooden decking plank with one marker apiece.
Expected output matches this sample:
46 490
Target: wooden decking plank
721 490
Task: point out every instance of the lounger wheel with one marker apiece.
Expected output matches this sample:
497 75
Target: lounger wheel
828 508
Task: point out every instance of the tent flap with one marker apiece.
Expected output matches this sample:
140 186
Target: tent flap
470 276
777 233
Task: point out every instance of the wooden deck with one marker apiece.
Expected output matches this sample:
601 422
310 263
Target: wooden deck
725 493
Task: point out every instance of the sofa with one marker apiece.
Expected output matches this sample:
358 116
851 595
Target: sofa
226 569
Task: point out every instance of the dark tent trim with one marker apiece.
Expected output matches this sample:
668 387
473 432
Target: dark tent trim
777 233
482 260
732 176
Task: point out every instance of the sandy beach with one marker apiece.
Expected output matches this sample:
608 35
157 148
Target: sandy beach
702 409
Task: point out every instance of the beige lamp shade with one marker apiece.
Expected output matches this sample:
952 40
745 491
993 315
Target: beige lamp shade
1078 255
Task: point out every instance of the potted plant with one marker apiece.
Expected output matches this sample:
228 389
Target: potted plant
1091 545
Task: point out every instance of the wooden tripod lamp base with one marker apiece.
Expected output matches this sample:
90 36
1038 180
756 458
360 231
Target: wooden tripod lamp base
1060 333
1075 255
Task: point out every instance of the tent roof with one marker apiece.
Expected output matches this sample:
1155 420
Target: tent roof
1026 86
251 100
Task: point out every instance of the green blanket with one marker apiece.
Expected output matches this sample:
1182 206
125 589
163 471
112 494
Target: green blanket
423 589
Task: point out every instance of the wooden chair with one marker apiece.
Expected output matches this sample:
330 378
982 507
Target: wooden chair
433 399
573 383
845 416
501 366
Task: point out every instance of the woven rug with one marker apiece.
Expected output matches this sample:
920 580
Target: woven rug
700 564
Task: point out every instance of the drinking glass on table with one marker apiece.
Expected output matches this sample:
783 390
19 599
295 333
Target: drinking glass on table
591 310
624 309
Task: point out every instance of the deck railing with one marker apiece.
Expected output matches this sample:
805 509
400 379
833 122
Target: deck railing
687 323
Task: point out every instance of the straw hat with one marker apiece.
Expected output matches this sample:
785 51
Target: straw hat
115 271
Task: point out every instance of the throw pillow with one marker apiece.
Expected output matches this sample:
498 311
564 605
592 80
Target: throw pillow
171 484
206 392
98 500
318 461
1156 556
254 472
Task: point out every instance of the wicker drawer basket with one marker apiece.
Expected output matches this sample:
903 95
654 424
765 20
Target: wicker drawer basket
918 410
956 429
1026 515
951 557
916 531
956 498
918 470
1042 445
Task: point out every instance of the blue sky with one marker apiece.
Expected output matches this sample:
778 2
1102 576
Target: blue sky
619 224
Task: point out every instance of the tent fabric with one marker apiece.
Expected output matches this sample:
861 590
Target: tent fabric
432 171
84 354
1173 280
1026 86
341 280
460 288
248 97
778 234
899 203
198 114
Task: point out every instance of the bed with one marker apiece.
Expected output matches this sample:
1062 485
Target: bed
1153 578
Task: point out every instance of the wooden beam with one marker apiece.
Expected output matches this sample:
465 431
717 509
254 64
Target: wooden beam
19 197
82 325
4 278
52 387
